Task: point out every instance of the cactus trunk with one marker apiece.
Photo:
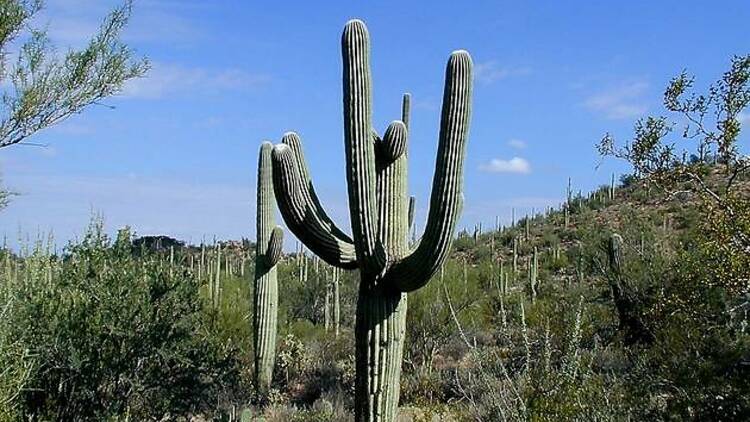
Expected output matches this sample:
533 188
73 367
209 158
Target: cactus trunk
379 212
379 334
266 293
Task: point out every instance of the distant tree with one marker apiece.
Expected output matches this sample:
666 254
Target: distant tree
44 88
157 243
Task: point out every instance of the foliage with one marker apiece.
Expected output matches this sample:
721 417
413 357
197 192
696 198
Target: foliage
45 88
110 334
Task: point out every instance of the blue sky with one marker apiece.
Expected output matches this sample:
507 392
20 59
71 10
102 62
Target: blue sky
177 155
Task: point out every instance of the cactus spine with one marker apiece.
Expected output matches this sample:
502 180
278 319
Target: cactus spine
266 294
378 205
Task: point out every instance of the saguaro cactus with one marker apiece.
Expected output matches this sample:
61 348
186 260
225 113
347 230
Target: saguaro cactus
631 321
376 173
266 294
533 273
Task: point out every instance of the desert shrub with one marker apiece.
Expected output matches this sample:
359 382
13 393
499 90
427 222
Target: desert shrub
540 370
17 363
427 388
111 334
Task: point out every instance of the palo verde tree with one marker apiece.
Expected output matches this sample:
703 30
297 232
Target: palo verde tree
709 168
376 174
43 88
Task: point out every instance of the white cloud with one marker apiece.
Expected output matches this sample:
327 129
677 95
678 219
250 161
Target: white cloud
175 80
491 71
517 143
623 102
514 165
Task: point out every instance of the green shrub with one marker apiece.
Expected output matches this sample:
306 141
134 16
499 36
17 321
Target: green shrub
111 334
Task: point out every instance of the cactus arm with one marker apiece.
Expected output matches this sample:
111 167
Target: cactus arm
265 198
301 215
406 109
360 150
416 269
393 144
275 246
293 141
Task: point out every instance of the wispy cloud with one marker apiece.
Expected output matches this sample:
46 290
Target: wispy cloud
517 143
622 102
167 22
491 71
171 79
514 165
74 22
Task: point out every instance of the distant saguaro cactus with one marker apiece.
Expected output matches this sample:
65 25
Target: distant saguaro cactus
533 269
266 294
631 321
378 205
515 256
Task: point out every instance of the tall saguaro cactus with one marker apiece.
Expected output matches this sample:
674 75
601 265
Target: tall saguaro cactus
266 294
376 174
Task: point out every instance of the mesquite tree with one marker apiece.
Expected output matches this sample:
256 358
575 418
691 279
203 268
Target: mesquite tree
267 254
376 173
